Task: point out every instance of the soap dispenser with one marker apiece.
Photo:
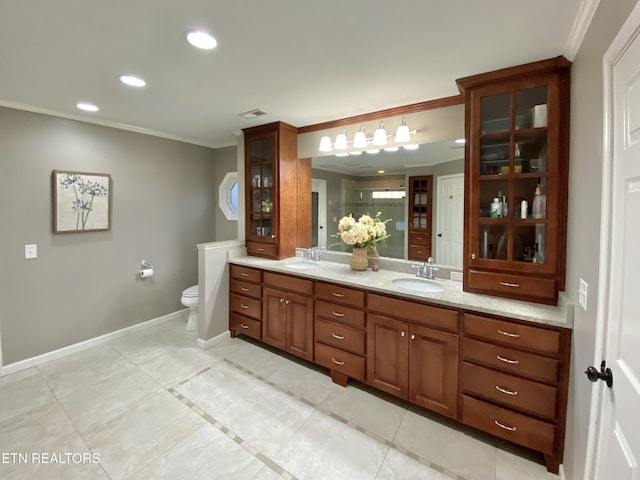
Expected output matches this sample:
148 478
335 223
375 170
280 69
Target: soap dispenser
539 207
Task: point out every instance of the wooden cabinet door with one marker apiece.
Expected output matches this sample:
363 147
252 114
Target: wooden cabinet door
299 325
433 370
274 318
388 354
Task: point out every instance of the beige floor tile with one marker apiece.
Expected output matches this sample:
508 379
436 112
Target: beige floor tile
510 466
258 359
218 388
397 466
303 381
266 418
175 366
447 447
266 474
205 454
148 430
327 448
366 410
79 370
22 392
101 402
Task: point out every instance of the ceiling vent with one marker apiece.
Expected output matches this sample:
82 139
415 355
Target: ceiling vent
251 114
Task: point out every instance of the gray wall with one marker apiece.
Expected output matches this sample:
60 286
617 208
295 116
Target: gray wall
585 179
225 161
84 284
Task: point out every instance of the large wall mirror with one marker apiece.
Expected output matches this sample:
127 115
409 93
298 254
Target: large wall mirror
371 183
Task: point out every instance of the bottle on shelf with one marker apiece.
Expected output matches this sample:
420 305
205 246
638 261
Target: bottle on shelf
496 209
504 212
524 207
539 207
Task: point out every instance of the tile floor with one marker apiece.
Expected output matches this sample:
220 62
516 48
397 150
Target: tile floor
153 405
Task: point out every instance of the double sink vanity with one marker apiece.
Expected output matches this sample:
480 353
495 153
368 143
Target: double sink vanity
495 364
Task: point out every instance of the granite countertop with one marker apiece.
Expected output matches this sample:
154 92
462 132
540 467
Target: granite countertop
452 296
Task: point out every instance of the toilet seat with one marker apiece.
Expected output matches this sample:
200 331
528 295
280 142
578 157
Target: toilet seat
191 292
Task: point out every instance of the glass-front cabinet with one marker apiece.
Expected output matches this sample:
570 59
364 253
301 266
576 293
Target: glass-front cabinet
516 191
419 202
277 192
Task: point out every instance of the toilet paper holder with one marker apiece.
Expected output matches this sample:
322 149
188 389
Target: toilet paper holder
144 265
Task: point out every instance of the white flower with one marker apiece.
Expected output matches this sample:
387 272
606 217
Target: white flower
346 223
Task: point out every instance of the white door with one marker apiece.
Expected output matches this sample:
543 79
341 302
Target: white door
319 207
618 439
449 220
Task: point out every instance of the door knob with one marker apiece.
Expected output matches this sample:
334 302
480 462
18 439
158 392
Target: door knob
604 374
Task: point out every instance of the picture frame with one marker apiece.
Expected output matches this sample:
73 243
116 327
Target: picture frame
81 201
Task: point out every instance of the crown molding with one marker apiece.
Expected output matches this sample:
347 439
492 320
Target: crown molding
580 26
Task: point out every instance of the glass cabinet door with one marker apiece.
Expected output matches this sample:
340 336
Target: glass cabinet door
512 171
260 178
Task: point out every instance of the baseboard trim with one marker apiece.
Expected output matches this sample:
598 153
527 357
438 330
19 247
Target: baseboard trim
205 344
561 473
92 342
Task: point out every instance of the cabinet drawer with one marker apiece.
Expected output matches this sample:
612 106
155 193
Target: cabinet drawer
250 307
419 252
244 288
513 334
337 293
245 325
285 282
518 428
509 390
419 238
246 274
441 318
339 313
340 336
340 361
513 361
515 286
262 250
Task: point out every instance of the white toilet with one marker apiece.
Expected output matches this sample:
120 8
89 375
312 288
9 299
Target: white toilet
190 298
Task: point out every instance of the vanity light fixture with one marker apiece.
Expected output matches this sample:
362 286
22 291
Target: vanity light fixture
132 80
341 140
360 138
87 107
201 39
362 142
380 136
402 133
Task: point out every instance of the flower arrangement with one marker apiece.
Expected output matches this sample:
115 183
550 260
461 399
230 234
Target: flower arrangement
366 232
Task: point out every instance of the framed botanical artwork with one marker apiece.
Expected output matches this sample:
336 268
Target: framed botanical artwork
81 201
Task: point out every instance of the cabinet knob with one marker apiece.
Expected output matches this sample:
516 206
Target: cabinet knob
473 256
402 333
413 337
287 302
281 300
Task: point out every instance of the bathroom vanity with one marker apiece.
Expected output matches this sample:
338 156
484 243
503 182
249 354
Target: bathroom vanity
498 365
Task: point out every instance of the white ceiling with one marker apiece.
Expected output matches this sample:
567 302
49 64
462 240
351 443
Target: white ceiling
303 61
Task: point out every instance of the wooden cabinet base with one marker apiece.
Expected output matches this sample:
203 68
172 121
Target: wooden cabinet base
339 378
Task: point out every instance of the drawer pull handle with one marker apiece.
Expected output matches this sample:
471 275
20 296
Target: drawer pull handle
338 314
505 391
337 362
242 305
242 325
244 274
336 294
506 360
507 334
511 429
261 249
512 285
339 337
244 289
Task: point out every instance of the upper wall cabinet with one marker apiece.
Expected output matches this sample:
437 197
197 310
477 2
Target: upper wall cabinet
516 176
278 192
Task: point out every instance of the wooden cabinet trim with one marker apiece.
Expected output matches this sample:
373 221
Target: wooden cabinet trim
436 317
287 282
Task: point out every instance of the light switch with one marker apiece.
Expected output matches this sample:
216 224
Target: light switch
30 251
582 294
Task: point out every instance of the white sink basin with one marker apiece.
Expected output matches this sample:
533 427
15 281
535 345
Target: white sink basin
300 264
418 285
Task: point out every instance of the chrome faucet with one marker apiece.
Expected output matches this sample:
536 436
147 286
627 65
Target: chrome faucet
426 269
314 253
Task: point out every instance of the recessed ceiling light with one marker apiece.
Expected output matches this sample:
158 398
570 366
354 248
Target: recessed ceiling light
132 80
87 107
380 171
200 39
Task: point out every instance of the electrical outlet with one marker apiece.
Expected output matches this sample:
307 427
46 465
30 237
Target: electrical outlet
30 251
582 294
